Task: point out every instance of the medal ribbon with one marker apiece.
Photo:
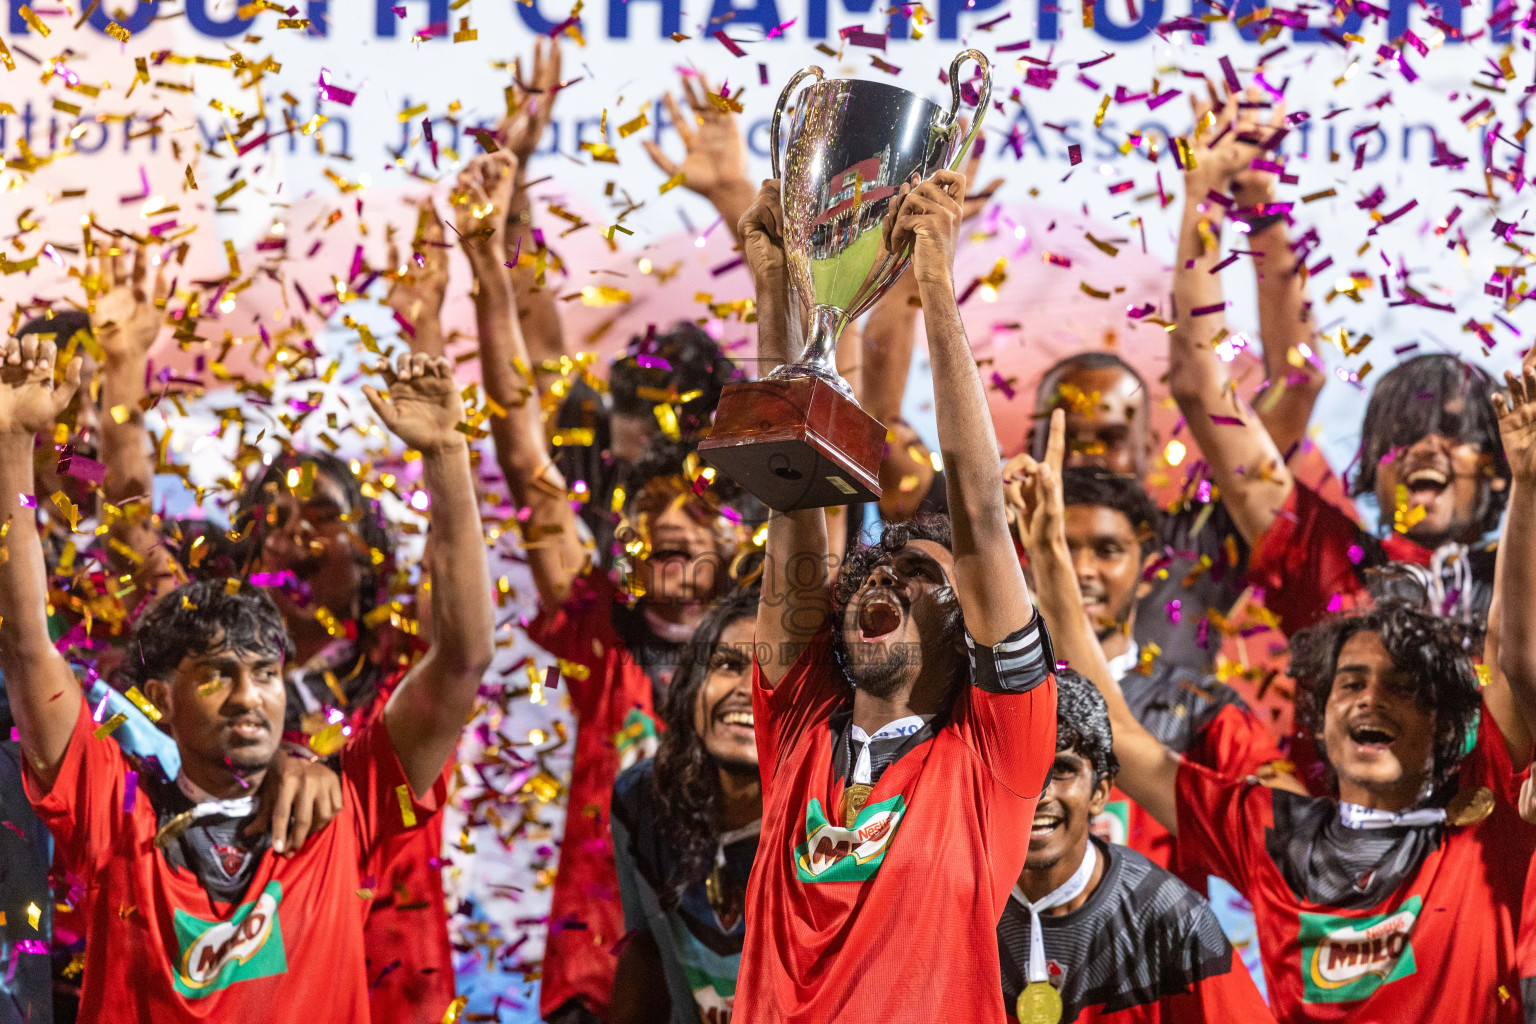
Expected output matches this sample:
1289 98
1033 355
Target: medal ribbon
862 768
1355 816
1069 890
734 835
205 806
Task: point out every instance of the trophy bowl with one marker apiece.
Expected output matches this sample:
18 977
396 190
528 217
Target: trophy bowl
798 438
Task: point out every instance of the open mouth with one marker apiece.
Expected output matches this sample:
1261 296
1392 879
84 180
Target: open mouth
1372 737
1044 824
1426 484
879 616
247 730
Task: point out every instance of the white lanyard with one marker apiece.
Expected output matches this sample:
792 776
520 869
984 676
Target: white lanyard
205 806
1355 816
1069 890
862 769
1121 665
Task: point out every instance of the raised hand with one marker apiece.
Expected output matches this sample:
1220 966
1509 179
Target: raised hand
715 151
762 234
521 130
480 199
927 217
1227 138
1517 421
424 408
30 398
1033 491
299 797
127 315
416 292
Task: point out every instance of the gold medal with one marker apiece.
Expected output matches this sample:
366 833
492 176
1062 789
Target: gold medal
1469 806
855 796
1039 1003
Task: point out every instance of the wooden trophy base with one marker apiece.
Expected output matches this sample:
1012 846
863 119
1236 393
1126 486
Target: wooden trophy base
796 443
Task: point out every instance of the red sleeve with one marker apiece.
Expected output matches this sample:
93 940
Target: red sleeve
1235 743
1488 764
580 630
1302 561
1014 734
803 698
84 808
378 791
1221 824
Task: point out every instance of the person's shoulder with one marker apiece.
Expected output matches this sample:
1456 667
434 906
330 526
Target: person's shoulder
1160 903
632 792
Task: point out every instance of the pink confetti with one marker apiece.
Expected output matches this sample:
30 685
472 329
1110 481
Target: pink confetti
130 790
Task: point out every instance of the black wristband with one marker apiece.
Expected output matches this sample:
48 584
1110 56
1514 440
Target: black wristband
1264 222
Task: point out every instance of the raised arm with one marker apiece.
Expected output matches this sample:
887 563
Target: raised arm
429 708
1148 770
126 318
554 548
715 152
1245 464
994 599
533 108
795 601
44 696
1285 325
416 290
1511 691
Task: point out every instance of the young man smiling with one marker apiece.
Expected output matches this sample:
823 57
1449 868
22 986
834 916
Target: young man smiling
1397 898
1097 932
904 727
1109 526
188 918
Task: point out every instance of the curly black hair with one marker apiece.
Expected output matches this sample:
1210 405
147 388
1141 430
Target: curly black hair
1082 723
62 324
1410 402
1081 485
686 781
681 361
1431 649
200 617
251 506
667 459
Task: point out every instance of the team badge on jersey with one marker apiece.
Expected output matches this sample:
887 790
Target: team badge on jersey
1346 959
831 853
637 740
217 954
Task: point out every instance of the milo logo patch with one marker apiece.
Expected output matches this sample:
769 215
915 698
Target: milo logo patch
1113 825
216 954
831 853
1346 959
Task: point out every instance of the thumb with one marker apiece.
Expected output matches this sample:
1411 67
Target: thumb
660 159
1056 443
65 389
381 408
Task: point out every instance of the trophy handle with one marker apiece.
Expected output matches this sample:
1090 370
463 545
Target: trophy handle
778 110
954 99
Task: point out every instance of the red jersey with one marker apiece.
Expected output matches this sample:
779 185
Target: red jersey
611 696
1312 562
1525 951
893 917
1205 722
159 949
405 937
1439 948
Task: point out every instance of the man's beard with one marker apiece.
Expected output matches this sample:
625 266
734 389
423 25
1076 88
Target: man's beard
882 677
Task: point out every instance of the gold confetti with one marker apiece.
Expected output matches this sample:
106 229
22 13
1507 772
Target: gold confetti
117 32
231 586
236 187
34 915
407 811
1098 118
671 183
34 21
629 128
8 61
451 1015
142 703
108 727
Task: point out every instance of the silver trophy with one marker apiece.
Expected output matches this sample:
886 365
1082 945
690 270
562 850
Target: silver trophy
797 438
